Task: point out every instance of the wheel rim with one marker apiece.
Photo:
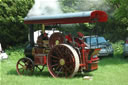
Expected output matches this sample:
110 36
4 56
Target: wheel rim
63 61
25 66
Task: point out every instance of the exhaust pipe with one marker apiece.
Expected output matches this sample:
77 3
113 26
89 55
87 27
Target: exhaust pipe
31 35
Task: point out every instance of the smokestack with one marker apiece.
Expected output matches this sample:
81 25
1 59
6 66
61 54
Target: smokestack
31 30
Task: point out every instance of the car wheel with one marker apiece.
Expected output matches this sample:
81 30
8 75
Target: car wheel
124 55
111 55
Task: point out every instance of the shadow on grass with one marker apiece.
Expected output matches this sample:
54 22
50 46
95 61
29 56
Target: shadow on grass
81 75
36 73
47 74
44 74
12 72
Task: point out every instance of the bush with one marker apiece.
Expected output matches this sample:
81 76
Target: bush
12 28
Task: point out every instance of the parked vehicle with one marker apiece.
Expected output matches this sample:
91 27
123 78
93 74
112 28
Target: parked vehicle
99 42
125 50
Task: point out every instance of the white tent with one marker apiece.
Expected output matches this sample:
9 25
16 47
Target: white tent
0 48
3 55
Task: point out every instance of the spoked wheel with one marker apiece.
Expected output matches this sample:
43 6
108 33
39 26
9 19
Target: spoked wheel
63 61
25 66
55 39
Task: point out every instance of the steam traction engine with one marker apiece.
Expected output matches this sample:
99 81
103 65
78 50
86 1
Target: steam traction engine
64 55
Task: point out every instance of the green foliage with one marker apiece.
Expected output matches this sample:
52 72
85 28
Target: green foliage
12 28
118 49
121 13
15 52
117 24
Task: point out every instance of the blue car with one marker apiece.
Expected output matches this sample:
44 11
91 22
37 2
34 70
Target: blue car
99 42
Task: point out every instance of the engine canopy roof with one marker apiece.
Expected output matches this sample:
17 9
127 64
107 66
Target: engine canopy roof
68 18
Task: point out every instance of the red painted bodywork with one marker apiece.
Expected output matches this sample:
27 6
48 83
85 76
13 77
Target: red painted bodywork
40 60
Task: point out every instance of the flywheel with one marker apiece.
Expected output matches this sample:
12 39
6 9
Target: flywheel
55 39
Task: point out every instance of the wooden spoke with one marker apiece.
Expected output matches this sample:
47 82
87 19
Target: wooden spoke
56 61
54 65
21 64
59 71
57 67
54 57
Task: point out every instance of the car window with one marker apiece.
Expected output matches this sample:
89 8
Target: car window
94 40
101 40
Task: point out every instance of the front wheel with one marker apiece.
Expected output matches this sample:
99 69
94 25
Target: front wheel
25 66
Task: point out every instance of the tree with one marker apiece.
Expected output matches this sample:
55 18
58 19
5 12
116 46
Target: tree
121 17
121 13
12 28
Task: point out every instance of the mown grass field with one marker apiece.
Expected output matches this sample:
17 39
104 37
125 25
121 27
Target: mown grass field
111 71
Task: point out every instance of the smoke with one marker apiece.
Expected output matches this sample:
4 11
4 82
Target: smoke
94 5
97 5
50 7
45 7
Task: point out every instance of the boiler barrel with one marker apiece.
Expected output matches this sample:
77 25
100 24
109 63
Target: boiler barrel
28 52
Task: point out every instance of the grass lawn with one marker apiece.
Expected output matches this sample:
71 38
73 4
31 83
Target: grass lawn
111 71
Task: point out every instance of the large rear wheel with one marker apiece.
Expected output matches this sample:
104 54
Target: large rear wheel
63 61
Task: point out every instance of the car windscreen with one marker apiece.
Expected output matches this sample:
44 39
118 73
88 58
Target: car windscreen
95 40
